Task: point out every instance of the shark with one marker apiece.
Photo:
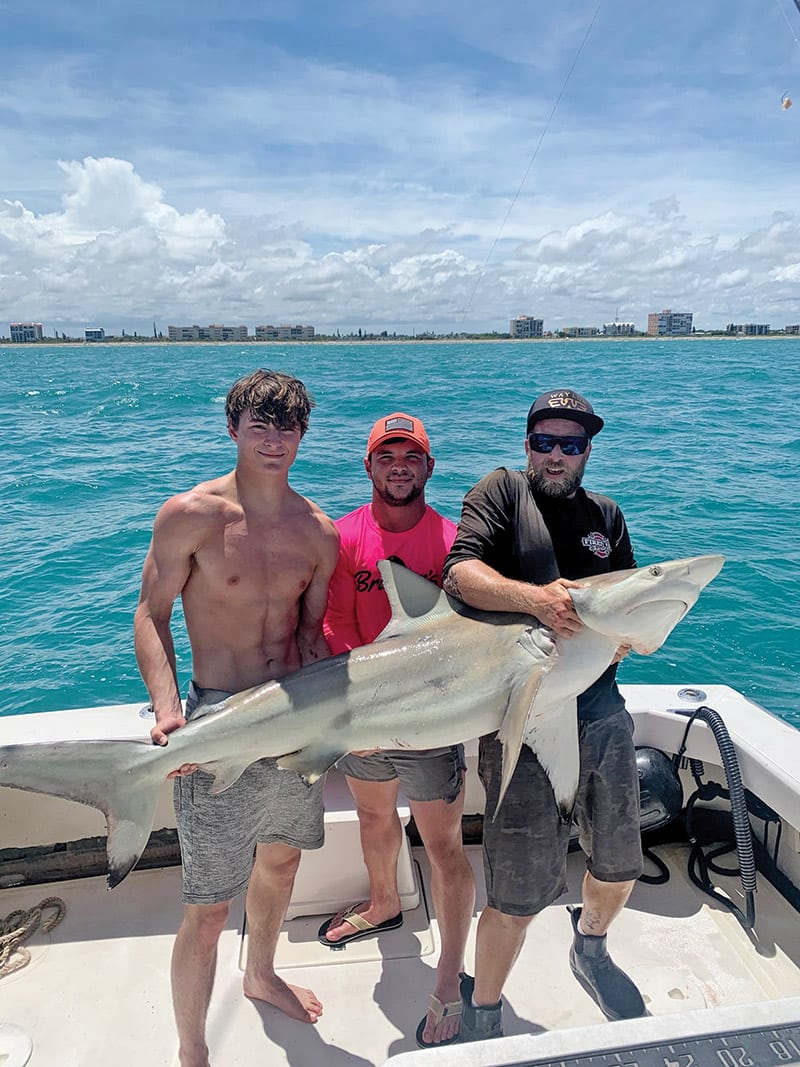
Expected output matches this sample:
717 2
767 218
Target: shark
440 673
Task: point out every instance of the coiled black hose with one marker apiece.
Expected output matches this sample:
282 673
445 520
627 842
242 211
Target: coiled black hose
739 815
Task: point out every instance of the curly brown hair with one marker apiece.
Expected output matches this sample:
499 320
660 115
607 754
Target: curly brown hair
271 396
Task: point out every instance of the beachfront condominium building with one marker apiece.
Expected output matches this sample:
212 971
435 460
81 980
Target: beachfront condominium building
214 332
284 333
526 326
748 329
619 329
580 331
669 323
95 333
25 332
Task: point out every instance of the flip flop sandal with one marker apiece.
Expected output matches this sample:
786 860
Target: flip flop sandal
440 1011
364 928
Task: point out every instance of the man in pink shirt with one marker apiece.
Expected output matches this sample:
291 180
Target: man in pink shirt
399 525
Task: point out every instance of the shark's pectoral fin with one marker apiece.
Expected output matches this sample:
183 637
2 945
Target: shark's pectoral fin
512 729
552 735
310 762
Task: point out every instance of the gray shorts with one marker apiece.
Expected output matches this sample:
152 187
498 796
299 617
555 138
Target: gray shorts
218 834
424 774
525 847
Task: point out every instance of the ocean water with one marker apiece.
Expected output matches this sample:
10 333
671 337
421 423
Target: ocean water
701 449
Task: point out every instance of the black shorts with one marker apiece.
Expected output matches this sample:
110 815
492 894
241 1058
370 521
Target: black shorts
525 846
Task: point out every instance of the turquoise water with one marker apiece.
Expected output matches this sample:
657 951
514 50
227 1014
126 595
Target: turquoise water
701 449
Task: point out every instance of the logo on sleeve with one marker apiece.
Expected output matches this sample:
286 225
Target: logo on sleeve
598 544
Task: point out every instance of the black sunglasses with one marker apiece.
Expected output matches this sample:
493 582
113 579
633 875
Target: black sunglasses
546 442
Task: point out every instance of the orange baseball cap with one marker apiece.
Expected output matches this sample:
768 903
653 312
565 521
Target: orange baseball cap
398 425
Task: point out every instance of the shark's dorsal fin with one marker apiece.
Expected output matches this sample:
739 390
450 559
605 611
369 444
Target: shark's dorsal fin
411 598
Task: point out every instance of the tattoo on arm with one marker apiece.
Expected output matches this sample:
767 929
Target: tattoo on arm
451 585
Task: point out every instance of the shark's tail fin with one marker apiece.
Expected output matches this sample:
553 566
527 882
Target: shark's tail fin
121 778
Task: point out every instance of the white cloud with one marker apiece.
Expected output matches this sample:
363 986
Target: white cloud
362 164
732 279
120 254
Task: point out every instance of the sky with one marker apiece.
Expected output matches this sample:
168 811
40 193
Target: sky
398 165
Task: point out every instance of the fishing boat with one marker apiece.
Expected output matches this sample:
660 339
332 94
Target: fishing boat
711 933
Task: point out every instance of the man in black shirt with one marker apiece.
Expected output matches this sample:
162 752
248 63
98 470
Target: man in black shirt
525 539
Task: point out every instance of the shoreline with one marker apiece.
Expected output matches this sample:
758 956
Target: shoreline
252 343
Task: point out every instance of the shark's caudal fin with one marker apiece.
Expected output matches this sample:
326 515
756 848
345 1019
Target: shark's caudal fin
121 778
411 598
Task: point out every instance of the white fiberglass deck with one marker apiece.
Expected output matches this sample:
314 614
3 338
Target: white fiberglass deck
97 988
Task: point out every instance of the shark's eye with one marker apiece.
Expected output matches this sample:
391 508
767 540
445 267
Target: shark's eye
656 571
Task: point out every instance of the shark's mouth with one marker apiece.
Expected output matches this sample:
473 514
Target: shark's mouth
652 632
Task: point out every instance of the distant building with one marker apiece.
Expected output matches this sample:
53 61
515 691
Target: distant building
218 332
580 331
214 332
284 333
748 329
526 326
24 332
792 329
619 329
96 333
183 333
669 323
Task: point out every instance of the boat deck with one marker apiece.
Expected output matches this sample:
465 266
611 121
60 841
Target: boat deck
97 988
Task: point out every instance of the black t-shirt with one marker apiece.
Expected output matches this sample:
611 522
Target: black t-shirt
537 539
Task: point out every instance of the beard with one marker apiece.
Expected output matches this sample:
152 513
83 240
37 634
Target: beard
556 489
398 500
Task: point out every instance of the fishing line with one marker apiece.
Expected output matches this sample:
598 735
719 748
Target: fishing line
786 100
786 17
533 157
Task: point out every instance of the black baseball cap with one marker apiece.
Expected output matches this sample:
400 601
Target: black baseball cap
564 404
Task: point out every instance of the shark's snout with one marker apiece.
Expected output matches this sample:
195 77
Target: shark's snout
704 569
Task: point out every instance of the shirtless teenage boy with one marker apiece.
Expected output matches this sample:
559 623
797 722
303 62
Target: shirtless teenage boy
250 559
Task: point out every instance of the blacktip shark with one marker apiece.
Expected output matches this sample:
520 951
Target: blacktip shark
438 674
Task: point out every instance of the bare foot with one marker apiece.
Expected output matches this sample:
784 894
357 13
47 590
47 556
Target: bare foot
196 1059
292 1000
435 1033
340 927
